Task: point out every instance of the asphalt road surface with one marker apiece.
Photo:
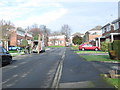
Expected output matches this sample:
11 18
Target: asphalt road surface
33 70
55 68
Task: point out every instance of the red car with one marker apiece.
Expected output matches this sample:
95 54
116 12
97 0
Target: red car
88 47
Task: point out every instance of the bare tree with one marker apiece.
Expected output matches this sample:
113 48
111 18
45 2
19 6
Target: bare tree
42 30
66 30
5 27
34 29
46 32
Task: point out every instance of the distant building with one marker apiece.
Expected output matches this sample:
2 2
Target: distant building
92 34
57 40
17 35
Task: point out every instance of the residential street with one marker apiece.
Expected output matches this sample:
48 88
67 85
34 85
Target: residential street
55 68
32 71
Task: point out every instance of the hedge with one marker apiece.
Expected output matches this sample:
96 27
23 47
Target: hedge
114 49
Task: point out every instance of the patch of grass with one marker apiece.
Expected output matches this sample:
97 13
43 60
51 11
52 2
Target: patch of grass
97 58
90 52
56 46
13 51
113 81
75 47
15 54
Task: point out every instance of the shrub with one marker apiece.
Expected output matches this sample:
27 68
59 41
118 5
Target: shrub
116 48
24 43
35 37
77 40
104 46
110 46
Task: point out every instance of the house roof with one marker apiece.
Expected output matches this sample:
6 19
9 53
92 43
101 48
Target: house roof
20 29
77 33
96 28
116 20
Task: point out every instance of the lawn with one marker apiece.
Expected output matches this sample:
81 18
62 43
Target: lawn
113 81
13 51
74 47
97 58
90 52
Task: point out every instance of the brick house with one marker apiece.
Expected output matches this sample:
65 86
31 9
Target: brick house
110 32
57 40
90 35
17 35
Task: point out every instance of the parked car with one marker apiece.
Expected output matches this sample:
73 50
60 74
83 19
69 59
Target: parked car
5 56
14 48
88 47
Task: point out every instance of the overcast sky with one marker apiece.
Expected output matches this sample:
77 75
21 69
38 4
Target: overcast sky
80 15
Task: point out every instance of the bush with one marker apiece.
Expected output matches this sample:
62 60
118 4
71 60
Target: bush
104 46
77 40
110 46
24 43
116 48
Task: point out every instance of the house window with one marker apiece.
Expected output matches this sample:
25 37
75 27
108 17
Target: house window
95 33
105 30
60 42
108 28
116 26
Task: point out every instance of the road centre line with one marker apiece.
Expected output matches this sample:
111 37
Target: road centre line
58 73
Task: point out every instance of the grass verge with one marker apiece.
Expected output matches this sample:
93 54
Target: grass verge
75 47
16 54
113 81
97 58
90 52
13 51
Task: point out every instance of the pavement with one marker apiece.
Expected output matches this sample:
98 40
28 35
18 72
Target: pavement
78 73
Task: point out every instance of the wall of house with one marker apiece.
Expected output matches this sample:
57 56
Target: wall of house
56 41
13 38
17 36
92 37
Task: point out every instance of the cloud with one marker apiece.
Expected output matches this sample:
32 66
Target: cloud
45 18
36 11
75 1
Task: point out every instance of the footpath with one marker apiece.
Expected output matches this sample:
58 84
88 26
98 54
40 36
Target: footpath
78 73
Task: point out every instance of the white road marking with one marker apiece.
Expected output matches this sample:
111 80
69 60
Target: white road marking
58 73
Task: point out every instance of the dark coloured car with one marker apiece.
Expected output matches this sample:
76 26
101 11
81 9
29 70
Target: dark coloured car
14 48
5 57
88 47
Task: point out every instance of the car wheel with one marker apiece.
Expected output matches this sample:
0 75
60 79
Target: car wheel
96 49
83 49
